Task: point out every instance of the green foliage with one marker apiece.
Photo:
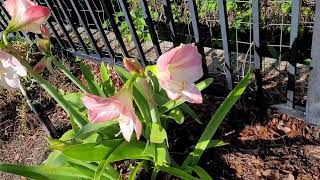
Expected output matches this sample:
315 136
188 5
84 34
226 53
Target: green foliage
216 120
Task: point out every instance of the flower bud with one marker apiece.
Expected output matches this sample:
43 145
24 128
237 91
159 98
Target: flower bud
132 65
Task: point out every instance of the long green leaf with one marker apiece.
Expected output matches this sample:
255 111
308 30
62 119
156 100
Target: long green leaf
90 128
216 143
89 77
109 172
44 172
75 99
107 85
177 172
126 150
201 173
194 157
67 72
136 169
184 107
91 151
78 117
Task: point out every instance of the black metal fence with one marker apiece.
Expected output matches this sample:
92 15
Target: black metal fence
106 30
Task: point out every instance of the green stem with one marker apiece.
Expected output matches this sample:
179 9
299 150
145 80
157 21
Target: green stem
74 79
80 120
5 38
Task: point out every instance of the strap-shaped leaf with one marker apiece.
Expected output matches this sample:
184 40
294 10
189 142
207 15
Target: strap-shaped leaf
44 172
177 172
106 84
89 77
75 99
201 173
194 157
216 143
184 107
67 72
90 128
175 114
136 169
91 151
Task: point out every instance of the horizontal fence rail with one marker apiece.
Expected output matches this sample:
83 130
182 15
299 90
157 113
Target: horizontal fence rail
108 30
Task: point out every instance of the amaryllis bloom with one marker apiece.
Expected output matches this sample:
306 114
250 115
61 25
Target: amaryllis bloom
10 71
118 107
178 69
26 15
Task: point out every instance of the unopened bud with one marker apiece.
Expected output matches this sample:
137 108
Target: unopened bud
132 65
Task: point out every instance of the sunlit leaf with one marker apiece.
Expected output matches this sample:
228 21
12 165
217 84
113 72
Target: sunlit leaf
194 157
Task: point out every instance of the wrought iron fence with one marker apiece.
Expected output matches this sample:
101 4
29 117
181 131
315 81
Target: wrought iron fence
107 30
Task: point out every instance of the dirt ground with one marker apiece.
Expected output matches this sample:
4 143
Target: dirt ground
262 144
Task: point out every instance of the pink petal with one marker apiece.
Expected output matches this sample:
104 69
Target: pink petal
192 94
10 61
126 129
172 95
187 56
128 121
10 5
102 115
189 74
166 59
34 17
101 109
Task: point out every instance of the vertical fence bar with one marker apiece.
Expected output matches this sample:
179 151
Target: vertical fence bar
74 29
125 10
101 31
60 23
55 32
86 28
225 41
148 19
313 101
197 35
295 18
256 55
170 21
2 25
56 35
108 10
4 21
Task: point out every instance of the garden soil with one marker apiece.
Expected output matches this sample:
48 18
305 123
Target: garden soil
261 144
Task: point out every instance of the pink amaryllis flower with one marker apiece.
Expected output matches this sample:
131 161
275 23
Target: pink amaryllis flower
10 71
26 15
118 107
178 69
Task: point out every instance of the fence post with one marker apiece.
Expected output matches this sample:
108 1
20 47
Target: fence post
295 18
313 101
170 21
197 35
136 40
256 55
225 41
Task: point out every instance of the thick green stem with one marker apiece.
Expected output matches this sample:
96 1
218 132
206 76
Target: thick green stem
74 79
5 38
